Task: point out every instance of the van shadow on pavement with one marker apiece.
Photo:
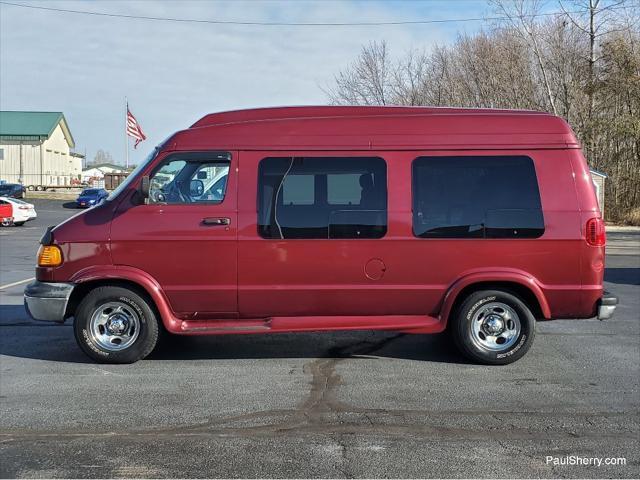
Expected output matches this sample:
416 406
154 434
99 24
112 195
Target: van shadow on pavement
22 337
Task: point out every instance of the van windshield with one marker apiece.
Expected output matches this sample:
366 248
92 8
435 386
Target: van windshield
134 173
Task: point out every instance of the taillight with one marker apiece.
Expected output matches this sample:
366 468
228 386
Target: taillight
595 234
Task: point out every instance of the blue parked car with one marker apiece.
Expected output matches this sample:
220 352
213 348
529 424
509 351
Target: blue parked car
90 197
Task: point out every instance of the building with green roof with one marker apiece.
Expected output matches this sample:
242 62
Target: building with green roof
36 149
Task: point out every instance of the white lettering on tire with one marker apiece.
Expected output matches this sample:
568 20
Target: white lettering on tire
514 349
475 306
89 343
134 305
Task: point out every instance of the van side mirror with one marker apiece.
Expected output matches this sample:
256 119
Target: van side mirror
144 187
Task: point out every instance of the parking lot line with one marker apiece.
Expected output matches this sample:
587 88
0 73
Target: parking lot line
9 285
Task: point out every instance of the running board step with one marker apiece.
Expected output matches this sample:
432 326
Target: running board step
408 323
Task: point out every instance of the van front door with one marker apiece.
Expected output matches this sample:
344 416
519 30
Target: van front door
185 237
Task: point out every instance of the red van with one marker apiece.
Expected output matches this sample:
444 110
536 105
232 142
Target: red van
336 218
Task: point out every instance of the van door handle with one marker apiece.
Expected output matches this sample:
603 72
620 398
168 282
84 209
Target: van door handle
216 221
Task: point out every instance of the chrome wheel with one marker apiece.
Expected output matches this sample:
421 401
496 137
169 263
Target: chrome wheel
495 327
114 326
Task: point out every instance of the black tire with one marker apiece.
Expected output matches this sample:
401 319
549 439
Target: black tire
136 306
18 224
478 307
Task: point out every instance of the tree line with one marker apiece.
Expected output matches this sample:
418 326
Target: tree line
582 64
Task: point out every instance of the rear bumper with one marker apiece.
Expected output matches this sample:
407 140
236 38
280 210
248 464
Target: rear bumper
47 301
607 305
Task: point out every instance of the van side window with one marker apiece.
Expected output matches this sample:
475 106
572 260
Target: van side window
322 197
189 180
476 197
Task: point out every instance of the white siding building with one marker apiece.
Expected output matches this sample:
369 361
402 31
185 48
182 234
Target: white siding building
98 170
36 150
598 179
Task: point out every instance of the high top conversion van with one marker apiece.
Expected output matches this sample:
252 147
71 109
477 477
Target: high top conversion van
417 220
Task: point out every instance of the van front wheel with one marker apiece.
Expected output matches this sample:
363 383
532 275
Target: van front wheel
115 325
493 327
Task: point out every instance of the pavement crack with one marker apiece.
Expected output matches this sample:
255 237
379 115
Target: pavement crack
324 378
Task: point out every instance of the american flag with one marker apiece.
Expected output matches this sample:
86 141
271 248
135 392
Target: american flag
133 128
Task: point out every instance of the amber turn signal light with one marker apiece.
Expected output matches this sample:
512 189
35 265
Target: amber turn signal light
49 256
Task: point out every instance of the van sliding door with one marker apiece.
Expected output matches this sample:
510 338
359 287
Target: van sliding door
314 235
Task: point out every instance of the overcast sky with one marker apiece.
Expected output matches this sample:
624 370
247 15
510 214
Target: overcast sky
173 73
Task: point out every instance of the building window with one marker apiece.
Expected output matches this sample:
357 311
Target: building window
326 197
1 153
476 197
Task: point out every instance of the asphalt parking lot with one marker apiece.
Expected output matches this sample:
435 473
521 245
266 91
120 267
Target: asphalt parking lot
355 404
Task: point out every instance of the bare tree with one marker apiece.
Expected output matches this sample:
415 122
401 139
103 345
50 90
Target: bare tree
532 62
521 15
367 81
102 156
595 21
408 79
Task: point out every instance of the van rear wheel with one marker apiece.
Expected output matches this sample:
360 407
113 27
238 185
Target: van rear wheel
493 327
115 325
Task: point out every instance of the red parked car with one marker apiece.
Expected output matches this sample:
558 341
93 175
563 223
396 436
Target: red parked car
336 218
6 213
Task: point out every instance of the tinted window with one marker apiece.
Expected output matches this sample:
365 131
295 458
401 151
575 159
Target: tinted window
322 198
344 189
298 189
476 197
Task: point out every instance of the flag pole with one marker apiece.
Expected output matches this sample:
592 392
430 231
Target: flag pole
126 137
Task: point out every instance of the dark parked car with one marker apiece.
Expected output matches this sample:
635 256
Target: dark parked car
90 197
14 190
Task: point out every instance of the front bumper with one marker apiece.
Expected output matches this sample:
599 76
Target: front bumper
47 301
607 305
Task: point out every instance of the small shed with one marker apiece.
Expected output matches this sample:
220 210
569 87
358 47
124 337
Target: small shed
112 180
598 178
